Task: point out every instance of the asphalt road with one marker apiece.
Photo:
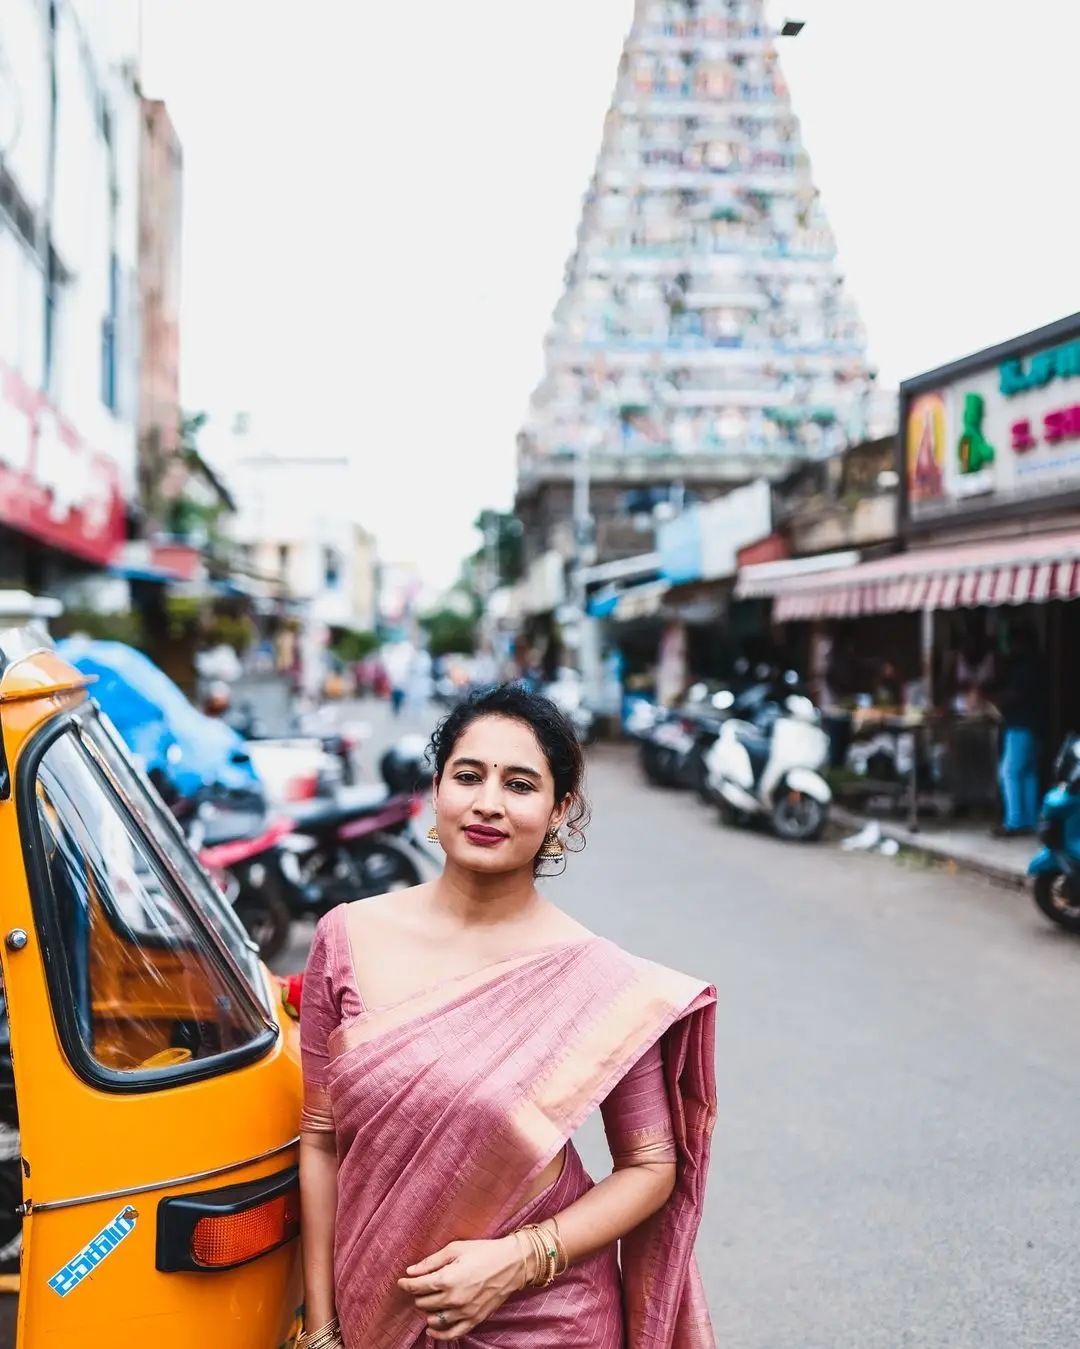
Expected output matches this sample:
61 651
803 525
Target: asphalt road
895 1161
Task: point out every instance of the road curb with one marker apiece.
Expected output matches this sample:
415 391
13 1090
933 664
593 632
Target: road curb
938 849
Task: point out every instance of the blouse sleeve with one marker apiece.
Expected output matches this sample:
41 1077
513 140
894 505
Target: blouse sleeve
319 1017
637 1116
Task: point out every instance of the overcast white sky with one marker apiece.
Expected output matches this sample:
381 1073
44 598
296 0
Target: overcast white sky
380 198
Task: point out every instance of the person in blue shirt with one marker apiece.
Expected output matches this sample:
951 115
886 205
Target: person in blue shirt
1021 697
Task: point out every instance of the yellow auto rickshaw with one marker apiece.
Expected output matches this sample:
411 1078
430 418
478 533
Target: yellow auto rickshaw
153 1082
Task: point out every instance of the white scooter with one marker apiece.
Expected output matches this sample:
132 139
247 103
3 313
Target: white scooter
775 774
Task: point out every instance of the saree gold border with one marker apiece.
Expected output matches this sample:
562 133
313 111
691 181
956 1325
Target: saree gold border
645 1145
607 1047
640 1261
316 1115
369 1026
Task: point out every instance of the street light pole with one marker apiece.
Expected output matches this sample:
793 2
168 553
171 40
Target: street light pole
491 577
588 653
582 523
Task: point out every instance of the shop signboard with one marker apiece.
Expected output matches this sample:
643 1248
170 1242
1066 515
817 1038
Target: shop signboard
998 428
679 545
730 524
772 548
53 486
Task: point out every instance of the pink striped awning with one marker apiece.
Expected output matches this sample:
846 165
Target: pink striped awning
968 576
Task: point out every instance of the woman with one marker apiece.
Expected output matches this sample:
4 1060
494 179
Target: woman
455 1036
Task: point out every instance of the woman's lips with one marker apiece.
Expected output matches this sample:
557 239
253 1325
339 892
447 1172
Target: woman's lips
484 838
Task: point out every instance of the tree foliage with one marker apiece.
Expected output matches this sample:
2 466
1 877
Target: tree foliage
449 633
353 646
504 544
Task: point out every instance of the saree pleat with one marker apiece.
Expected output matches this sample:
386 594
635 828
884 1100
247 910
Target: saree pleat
447 1108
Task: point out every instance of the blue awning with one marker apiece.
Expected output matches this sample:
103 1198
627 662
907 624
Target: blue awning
602 605
628 602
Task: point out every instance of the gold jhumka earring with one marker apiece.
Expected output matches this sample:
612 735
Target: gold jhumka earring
553 849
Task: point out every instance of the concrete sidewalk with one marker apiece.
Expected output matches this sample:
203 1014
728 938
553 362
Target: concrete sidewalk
971 848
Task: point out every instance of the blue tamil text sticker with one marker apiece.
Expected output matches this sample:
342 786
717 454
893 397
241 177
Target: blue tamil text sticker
92 1254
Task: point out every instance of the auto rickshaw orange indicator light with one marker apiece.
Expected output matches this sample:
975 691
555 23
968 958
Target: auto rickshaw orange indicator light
224 1241
221 1229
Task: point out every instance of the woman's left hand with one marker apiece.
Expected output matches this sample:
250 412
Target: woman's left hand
465 1281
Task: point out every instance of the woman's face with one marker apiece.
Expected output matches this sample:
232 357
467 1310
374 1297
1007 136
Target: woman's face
495 801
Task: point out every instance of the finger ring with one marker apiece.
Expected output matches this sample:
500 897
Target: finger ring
441 1318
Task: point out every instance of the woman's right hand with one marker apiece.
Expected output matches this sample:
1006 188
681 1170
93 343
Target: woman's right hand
466 1282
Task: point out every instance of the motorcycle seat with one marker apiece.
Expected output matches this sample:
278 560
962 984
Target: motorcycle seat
758 747
347 803
230 826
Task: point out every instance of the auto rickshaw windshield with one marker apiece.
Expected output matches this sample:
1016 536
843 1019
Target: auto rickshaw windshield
143 992
107 749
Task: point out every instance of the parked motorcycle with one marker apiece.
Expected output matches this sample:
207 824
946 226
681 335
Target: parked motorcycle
706 717
359 843
674 750
240 846
1055 869
666 748
640 716
773 770
301 859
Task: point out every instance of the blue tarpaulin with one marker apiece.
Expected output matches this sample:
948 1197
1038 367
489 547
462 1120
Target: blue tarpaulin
157 722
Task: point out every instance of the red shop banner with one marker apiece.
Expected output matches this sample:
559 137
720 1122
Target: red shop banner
53 486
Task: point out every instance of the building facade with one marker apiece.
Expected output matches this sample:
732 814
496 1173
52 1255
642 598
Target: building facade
295 527
160 237
69 317
365 580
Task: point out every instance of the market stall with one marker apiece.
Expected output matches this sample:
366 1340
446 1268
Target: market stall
989 547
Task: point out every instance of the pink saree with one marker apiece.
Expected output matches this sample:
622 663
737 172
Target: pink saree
448 1106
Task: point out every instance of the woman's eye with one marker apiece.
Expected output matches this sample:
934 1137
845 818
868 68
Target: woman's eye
519 786
467 778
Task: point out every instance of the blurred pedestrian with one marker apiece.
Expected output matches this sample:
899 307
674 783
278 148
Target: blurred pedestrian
1020 698
421 684
398 663
972 674
460 1033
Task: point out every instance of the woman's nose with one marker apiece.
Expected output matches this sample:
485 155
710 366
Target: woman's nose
489 798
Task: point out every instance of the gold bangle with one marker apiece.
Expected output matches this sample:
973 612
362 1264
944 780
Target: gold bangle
551 1257
563 1260
326 1337
524 1260
532 1248
538 1257
548 1255
553 1249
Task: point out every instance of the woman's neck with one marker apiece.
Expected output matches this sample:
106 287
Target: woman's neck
473 900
